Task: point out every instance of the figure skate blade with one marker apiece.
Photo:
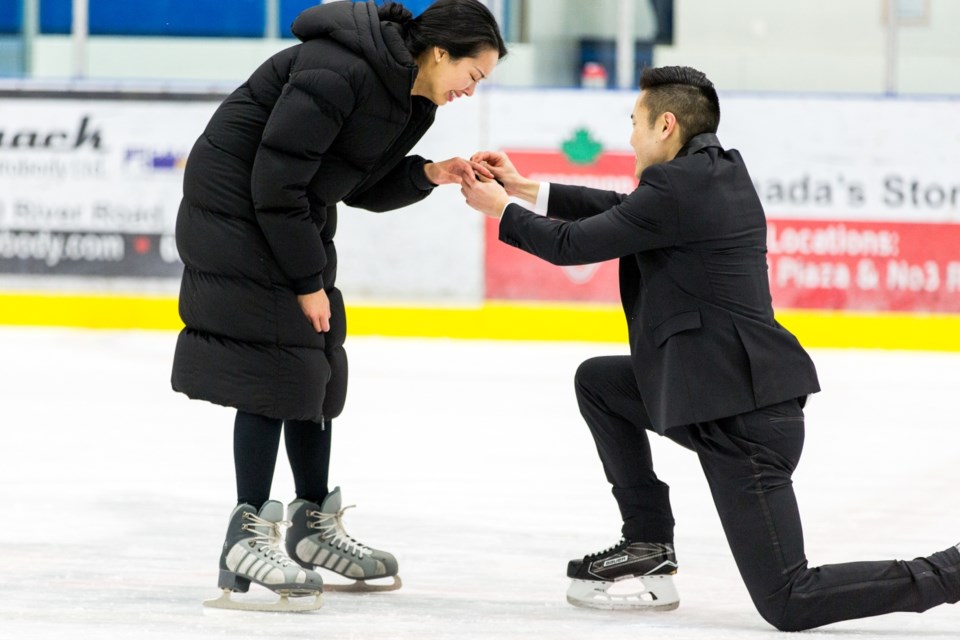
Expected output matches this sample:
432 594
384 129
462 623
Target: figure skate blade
364 586
300 603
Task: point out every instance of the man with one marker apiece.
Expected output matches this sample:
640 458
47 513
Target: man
709 368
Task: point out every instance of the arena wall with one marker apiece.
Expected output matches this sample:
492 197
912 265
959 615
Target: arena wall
861 194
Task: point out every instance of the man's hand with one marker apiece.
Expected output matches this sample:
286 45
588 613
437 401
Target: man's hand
506 174
487 197
455 171
316 306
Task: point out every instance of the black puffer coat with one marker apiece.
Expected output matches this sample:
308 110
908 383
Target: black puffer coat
328 120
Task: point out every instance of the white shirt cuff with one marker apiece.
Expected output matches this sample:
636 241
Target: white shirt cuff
543 197
540 207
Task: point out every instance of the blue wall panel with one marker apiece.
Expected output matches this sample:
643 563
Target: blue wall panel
55 16
417 6
290 9
10 14
233 18
236 18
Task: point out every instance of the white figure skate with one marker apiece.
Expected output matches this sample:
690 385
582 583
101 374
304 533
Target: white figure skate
317 540
252 553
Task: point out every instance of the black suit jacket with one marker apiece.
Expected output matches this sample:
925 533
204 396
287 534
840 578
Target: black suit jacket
693 281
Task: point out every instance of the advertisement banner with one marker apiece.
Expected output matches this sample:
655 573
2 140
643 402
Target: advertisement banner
864 212
87 253
91 187
866 266
512 274
862 215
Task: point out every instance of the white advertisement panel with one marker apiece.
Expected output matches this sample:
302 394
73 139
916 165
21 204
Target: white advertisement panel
850 158
91 187
821 157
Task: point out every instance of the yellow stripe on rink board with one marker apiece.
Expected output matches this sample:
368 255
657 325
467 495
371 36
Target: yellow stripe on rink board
605 323
913 331
495 321
93 311
492 320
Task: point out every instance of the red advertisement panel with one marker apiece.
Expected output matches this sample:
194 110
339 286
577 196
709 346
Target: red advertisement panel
512 274
878 265
814 264
864 266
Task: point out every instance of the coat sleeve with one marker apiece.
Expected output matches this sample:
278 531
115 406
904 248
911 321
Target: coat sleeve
303 124
646 219
569 202
405 184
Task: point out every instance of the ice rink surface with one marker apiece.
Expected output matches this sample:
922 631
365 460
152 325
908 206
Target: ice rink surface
468 460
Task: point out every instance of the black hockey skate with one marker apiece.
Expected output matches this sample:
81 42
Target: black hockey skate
651 564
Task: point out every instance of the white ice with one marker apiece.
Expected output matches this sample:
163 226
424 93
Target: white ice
468 460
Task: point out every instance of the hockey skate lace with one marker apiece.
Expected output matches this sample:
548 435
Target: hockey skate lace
267 538
334 534
598 554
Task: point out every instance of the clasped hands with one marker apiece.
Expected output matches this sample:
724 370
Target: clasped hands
487 181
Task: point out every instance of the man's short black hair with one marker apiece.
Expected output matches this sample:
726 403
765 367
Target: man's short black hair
686 93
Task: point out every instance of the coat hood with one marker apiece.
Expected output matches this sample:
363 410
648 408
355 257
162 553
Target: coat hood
357 26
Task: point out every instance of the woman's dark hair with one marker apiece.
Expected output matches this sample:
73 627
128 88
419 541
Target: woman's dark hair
463 28
686 93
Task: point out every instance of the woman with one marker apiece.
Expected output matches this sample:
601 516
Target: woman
328 120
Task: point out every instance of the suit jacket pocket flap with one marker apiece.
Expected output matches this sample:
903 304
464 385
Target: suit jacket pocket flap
675 324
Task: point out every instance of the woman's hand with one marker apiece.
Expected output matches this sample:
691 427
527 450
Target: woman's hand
455 171
316 306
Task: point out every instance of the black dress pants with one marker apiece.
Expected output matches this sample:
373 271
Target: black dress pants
748 461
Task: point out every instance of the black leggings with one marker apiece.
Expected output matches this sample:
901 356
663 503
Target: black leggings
256 441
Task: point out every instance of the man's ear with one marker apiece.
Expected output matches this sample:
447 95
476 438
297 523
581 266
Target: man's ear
668 125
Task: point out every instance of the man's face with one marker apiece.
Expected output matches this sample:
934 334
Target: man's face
647 140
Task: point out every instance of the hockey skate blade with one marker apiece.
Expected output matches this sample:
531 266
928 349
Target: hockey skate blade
363 586
300 604
657 594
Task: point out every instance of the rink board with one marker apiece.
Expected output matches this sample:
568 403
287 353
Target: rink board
863 231
493 320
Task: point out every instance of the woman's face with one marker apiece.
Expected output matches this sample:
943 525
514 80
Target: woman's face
442 79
